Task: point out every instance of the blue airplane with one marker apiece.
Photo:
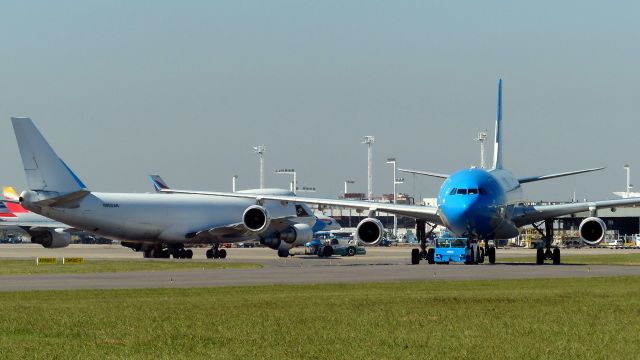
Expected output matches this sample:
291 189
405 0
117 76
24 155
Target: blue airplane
477 204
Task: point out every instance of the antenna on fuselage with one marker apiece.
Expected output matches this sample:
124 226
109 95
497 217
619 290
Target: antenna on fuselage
497 151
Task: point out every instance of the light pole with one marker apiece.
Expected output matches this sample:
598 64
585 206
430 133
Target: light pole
628 187
233 183
294 185
260 149
369 140
346 186
396 181
482 136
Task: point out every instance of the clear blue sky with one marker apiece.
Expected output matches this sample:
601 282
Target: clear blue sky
126 88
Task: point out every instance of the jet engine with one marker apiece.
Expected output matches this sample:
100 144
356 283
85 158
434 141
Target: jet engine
294 235
51 239
369 231
592 230
256 218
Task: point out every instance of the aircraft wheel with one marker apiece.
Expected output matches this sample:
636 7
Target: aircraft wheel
188 253
209 254
327 251
431 254
222 253
283 253
492 255
540 256
556 256
415 256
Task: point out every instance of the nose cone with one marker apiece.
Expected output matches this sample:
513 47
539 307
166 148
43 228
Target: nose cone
460 213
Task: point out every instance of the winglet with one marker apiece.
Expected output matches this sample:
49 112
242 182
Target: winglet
497 151
158 183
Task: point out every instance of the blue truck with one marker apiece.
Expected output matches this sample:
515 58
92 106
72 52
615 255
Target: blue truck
457 250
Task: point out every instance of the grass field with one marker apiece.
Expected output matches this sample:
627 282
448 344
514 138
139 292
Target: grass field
605 259
29 267
592 318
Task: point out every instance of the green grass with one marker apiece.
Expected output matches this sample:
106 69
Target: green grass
604 259
591 318
29 267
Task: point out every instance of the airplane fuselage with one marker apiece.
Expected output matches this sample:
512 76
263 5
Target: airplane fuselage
476 203
159 217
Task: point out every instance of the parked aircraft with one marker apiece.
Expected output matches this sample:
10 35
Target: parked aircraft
477 204
157 224
44 231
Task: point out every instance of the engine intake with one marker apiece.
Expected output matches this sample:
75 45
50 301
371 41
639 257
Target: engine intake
256 218
370 231
52 239
592 230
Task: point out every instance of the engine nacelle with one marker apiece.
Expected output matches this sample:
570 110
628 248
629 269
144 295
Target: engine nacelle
294 235
51 239
592 230
256 218
370 231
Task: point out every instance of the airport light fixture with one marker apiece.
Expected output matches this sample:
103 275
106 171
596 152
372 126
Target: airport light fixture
346 186
260 149
396 181
482 136
369 140
628 187
294 185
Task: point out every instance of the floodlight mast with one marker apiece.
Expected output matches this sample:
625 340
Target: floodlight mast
369 140
294 185
482 136
260 149
396 181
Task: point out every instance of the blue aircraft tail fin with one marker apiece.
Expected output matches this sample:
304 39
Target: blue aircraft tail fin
497 150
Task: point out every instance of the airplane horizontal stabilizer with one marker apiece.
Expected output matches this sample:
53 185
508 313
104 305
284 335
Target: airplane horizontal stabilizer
553 176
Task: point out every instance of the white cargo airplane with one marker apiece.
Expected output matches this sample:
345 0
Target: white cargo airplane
157 224
477 204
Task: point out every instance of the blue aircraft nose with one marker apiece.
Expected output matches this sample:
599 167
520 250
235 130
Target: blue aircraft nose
461 213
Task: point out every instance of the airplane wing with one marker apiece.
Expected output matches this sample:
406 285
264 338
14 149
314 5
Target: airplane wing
524 215
428 213
553 176
426 173
235 232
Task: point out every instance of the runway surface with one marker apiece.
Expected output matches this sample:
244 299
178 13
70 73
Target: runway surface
379 265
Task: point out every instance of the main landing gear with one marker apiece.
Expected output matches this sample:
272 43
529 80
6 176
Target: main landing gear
423 253
547 252
216 253
159 252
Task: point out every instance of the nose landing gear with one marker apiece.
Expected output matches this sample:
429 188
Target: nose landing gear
423 253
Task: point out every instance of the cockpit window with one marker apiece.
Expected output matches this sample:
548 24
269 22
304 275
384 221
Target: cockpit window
462 191
473 191
453 191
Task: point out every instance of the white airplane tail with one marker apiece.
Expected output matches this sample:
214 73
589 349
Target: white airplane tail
497 150
44 170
